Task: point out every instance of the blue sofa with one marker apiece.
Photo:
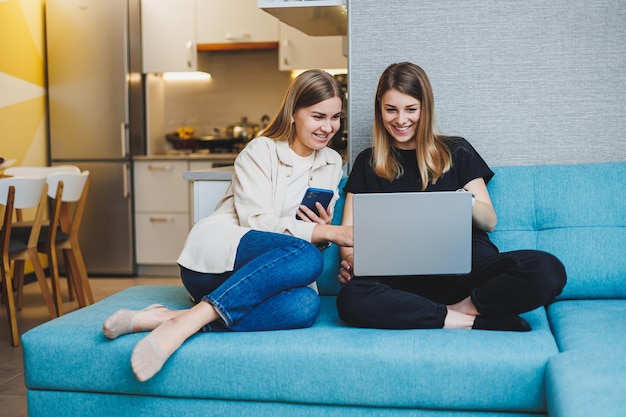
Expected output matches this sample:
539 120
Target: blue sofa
571 364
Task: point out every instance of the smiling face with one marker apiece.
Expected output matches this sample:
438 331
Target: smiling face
316 125
400 115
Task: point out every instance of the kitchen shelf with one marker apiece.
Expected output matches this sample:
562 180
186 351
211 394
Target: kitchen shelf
247 46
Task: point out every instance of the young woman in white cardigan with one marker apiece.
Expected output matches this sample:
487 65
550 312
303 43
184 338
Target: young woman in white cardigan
251 264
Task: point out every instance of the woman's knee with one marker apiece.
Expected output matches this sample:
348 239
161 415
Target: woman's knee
546 271
305 303
554 273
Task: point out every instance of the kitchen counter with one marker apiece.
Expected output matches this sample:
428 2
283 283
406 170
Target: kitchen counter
213 174
195 156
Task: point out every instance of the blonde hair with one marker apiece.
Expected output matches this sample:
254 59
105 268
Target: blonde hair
433 155
307 89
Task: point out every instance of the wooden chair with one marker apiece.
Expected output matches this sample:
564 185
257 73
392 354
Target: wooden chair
70 195
67 192
21 193
30 171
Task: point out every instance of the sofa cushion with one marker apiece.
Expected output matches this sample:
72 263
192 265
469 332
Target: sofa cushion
325 364
540 207
584 384
593 326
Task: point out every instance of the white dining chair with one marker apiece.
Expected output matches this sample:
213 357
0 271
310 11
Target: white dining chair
21 193
67 192
37 171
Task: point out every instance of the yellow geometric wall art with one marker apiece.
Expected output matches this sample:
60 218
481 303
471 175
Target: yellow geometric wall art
34 14
22 82
20 122
19 55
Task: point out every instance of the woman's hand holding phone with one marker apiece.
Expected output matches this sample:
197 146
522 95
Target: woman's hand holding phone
315 206
307 214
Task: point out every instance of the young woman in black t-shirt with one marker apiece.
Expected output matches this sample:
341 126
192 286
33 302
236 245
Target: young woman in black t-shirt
408 156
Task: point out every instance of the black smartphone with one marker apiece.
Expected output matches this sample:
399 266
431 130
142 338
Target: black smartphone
313 195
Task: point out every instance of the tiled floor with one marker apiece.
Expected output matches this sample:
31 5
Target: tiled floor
34 312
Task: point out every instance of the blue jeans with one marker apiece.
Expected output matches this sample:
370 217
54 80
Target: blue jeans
267 289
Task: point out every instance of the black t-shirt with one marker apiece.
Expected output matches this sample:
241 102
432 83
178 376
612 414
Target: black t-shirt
467 165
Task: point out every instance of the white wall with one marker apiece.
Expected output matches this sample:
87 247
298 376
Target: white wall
526 82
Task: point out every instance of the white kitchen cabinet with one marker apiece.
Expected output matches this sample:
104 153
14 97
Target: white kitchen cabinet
234 21
159 186
160 237
163 209
298 50
168 32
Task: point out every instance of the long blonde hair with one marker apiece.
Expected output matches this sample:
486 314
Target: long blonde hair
433 155
307 89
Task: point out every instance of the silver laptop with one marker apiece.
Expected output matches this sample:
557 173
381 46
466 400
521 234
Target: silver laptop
420 233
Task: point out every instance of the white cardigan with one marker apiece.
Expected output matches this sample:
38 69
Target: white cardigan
255 200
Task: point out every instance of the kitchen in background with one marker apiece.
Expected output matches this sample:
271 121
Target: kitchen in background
111 109
243 84
245 89
251 56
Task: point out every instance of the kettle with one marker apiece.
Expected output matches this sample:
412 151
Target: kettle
243 130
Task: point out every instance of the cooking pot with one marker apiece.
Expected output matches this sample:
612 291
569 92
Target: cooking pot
242 130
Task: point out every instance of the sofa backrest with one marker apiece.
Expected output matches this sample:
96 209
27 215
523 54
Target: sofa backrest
576 212
327 283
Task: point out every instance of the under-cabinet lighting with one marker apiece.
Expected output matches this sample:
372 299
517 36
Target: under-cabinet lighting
186 76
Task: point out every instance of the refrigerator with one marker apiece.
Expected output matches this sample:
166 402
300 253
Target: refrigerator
97 118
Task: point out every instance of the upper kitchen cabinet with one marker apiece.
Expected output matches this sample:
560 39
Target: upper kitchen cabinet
300 51
313 17
234 25
168 32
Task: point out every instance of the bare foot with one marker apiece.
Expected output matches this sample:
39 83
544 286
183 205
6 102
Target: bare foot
465 306
456 320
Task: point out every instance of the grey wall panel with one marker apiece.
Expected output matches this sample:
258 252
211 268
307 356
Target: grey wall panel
526 82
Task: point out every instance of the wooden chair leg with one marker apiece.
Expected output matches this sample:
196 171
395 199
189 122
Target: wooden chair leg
7 288
18 284
82 272
53 266
70 288
72 275
43 282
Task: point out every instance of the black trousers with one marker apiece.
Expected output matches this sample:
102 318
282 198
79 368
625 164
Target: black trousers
500 285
